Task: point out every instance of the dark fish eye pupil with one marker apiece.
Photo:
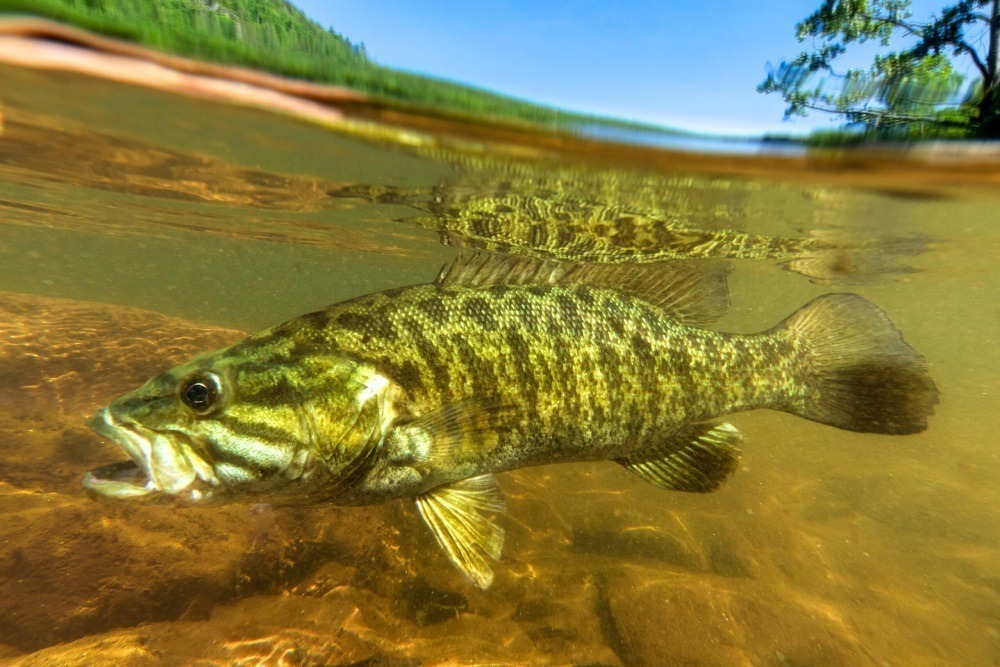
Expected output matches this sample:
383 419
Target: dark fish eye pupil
200 393
197 394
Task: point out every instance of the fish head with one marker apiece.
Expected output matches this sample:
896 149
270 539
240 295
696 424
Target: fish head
231 426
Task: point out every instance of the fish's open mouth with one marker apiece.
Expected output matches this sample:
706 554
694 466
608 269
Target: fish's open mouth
119 480
127 479
160 464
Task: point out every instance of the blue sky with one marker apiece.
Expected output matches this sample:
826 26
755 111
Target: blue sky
682 64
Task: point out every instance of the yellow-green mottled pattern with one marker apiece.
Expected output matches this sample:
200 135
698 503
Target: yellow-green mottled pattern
581 230
576 214
589 374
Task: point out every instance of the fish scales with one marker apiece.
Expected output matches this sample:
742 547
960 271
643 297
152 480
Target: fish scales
580 229
608 369
427 391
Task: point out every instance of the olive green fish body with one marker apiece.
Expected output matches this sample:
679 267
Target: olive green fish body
426 391
581 373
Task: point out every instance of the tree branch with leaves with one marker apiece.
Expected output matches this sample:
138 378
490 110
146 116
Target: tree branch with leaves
914 87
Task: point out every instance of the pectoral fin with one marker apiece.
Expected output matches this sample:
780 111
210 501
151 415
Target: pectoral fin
467 427
459 516
698 458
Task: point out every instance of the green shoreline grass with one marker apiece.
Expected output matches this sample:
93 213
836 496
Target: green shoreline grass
275 37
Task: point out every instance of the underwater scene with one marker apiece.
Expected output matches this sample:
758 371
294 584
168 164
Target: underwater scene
576 403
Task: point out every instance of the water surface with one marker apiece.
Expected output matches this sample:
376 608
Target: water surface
138 228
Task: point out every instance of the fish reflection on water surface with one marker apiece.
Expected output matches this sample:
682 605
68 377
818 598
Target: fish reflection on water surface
485 203
427 391
582 214
596 216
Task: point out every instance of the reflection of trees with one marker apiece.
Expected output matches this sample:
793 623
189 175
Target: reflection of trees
171 190
85 158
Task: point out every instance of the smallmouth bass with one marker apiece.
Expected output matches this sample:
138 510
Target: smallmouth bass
427 391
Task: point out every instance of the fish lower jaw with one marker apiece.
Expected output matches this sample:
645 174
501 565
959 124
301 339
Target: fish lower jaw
127 481
157 468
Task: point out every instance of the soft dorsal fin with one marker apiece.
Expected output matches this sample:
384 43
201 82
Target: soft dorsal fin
693 292
459 515
697 459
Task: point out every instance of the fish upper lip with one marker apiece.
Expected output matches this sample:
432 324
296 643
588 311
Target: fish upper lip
105 424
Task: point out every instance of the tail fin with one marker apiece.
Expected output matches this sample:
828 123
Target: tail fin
864 377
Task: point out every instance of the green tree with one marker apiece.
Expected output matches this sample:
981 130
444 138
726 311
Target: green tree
916 87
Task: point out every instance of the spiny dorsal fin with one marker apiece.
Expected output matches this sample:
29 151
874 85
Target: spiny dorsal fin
697 459
459 516
466 427
484 268
690 291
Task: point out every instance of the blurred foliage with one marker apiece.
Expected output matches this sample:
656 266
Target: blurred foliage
909 93
274 36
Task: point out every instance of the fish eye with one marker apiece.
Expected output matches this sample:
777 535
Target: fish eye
200 392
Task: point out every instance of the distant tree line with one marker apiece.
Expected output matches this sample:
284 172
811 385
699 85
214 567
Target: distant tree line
274 36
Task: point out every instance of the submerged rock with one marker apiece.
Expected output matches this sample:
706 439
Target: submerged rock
696 621
349 627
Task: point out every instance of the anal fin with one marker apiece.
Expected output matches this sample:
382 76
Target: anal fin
459 516
698 458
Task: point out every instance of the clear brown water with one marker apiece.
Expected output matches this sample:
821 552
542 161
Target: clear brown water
138 228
